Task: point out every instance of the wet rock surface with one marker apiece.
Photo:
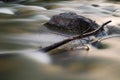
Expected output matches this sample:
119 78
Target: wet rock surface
71 23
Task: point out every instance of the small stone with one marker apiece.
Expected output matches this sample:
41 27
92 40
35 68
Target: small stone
95 5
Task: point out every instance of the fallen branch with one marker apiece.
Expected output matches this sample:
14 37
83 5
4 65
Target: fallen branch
55 45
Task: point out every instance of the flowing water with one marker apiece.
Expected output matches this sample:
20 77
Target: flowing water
22 34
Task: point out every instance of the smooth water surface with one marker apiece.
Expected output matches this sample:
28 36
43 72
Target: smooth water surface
22 34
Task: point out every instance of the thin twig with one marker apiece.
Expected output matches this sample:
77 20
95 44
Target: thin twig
107 37
55 45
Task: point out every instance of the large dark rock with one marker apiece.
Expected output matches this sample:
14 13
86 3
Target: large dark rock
71 23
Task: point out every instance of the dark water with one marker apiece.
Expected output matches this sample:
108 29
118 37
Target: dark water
22 34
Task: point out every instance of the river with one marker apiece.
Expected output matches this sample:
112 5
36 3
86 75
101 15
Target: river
22 34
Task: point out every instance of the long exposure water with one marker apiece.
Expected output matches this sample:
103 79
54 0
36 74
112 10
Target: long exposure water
22 34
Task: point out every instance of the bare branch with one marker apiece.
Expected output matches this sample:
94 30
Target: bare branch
55 45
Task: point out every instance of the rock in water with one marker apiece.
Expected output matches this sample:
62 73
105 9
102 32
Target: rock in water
71 23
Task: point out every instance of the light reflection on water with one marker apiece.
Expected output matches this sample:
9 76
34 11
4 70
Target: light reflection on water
22 34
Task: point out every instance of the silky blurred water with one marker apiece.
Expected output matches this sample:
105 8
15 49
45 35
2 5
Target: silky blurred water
22 34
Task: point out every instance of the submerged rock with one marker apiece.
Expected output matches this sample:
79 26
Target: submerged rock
71 23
